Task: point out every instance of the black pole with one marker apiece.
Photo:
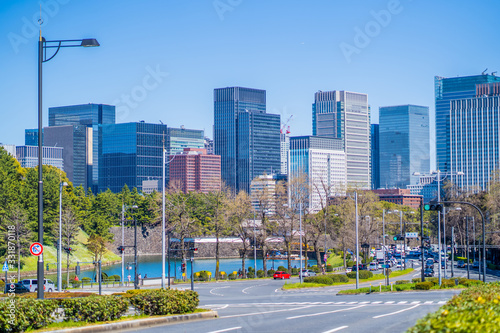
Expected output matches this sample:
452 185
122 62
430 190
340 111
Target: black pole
168 256
192 280
100 278
467 244
452 250
422 250
39 274
136 268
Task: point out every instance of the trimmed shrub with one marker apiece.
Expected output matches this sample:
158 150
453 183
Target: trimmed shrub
329 268
232 276
104 276
424 285
350 263
322 279
468 282
402 281
94 308
295 271
19 314
203 276
251 269
362 275
337 278
270 272
282 268
116 278
2 285
165 301
416 280
401 287
315 269
86 279
260 273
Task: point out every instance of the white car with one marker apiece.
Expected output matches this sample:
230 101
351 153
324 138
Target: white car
307 272
373 266
32 284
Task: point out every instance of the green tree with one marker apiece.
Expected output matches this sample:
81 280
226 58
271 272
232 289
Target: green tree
96 245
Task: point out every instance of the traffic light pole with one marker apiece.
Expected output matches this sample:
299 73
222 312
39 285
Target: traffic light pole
452 249
422 250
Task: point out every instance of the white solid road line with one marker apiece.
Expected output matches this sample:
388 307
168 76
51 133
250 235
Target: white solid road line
393 313
328 312
336 329
211 291
226 330
261 313
257 285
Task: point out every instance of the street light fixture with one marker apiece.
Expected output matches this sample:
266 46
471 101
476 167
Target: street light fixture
124 208
43 45
59 245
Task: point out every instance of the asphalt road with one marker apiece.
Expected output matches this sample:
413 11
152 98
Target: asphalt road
261 306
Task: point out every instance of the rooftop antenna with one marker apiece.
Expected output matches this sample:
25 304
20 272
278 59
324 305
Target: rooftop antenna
494 73
161 122
484 72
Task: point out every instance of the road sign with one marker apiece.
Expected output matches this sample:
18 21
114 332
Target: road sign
385 266
36 249
412 235
5 266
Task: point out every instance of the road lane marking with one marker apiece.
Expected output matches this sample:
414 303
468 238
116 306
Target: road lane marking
429 302
261 313
377 302
441 302
403 302
322 313
390 302
226 330
216 294
336 329
257 285
415 302
396 312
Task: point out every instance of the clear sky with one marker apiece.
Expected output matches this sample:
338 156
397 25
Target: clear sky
161 59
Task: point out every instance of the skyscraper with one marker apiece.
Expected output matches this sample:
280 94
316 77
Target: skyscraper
346 115
131 154
404 144
245 136
27 156
375 151
474 132
446 90
91 116
323 160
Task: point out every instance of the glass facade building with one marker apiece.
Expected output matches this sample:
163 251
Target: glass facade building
323 160
404 144
27 156
474 138
92 116
131 153
31 137
446 90
179 138
245 136
375 144
346 115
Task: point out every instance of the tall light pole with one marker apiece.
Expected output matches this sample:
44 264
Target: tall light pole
43 45
254 247
59 244
300 241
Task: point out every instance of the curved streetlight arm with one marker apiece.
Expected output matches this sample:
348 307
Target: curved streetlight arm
484 231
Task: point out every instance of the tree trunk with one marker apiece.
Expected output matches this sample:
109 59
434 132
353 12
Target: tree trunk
183 257
243 273
264 258
67 269
318 255
217 256
18 260
288 256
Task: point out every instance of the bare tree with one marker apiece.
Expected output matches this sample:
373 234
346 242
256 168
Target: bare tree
239 210
17 225
69 231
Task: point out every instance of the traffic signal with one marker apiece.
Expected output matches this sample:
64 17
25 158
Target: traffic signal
433 206
68 250
121 249
183 267
398 238
77 270
47 267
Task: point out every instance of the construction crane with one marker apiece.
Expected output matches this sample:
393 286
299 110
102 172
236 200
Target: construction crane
284 126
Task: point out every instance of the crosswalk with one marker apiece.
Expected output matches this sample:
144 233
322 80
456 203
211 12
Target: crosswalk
415 302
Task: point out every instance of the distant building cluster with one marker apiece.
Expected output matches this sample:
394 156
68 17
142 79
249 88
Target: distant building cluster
252 149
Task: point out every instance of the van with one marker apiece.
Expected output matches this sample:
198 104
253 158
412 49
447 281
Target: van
32 285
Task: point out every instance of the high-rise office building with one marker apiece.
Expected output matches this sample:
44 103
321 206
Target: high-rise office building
195 171
285 149
375 148
263 188
346 115
27 156
404 144
245 136
31 137
209 145
92 116
76 141
446 90
474 132
177 139
323 161
131 154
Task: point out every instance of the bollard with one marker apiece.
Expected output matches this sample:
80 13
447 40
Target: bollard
456 282
370 288
391 285
380 286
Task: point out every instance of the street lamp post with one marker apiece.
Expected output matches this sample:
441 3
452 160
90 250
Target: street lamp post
163 225
43 45
59 244
254 248
357 240
300 241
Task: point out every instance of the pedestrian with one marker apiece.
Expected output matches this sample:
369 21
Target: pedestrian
146 276
139 277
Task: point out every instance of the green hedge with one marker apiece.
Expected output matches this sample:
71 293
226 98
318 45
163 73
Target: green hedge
476 309
402 281
329 268
94 308
19 314
165 301
282 268
322 279
260 273
270 272
362 275
424 285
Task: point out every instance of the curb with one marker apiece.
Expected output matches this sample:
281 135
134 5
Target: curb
138 323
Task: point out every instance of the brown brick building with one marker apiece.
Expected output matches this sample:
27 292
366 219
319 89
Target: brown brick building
196 171
399 196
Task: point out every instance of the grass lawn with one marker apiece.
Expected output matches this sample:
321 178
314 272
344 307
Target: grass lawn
335 260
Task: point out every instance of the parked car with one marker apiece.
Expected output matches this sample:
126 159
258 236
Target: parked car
16 288
362 267
281 275
475 264
460 264
32 284
307 272
373 266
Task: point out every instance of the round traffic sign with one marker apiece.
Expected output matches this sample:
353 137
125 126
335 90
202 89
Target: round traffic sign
36 249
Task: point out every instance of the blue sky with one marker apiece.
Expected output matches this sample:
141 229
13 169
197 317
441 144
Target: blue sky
161 60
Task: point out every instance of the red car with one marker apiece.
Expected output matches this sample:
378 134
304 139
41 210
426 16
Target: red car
281 275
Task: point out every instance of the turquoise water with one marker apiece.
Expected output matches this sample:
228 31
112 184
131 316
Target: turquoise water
151 265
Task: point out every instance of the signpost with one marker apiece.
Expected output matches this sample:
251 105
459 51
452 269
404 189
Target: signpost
5 268
412 235
36 249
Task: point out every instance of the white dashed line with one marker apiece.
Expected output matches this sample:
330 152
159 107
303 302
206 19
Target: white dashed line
396 312
336 329
328 312
216 294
